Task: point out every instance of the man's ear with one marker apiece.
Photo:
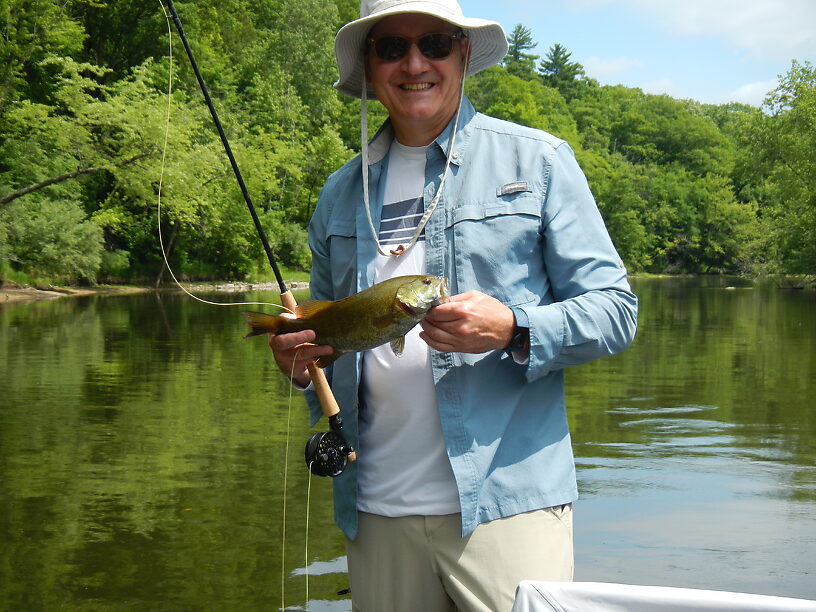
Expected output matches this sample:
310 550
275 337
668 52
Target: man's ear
464 51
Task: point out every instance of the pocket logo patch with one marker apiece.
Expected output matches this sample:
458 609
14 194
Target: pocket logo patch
511 188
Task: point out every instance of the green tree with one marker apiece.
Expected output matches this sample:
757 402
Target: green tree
778 146
499 94
121 34
558 71
33 30
295 37
614 183
52 239
517 61
695 222
650 129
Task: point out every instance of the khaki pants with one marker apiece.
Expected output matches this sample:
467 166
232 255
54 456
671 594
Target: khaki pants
422 564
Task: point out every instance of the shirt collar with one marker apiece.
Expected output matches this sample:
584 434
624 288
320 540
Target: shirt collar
381 143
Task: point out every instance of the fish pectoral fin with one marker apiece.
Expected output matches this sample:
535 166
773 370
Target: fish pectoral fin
398 345
327 360
311 308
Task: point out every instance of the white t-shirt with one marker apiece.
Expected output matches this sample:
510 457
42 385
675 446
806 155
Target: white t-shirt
403 468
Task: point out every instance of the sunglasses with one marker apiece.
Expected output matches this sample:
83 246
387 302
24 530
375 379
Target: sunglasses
432 46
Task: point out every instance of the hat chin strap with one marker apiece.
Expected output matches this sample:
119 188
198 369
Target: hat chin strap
402 249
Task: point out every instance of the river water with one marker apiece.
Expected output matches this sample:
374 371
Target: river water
151 459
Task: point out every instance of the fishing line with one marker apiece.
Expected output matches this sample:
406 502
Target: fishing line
161 182
285 479
328 403
211 303
306 547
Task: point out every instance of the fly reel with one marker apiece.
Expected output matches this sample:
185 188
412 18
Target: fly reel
328 453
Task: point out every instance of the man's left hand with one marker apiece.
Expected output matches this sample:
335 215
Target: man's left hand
471 322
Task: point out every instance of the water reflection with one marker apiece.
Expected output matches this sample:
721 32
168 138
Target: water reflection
143 448
700 470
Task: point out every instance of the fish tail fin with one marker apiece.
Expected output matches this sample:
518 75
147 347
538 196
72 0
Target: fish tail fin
261 323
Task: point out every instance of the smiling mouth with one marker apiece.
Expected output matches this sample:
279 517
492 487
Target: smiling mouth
416 86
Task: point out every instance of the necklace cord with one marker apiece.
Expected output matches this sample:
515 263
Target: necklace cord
401 250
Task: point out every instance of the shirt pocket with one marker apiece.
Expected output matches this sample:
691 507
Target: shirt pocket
497 248
341 236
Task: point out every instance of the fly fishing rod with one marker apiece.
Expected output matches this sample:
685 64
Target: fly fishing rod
327 453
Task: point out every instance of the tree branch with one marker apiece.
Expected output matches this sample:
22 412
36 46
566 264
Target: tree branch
63 177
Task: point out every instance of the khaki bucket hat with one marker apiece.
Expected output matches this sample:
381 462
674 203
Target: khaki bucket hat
488 43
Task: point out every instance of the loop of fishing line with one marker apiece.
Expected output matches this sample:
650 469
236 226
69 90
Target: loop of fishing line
161 181
338 440
306 547
285 479
195 297
308 501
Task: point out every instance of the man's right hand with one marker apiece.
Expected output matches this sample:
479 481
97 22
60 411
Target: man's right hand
294 352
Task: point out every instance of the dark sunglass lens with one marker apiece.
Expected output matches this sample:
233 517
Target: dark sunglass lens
436 46
432 46
391 47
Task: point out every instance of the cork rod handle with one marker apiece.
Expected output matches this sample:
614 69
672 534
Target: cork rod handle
319 382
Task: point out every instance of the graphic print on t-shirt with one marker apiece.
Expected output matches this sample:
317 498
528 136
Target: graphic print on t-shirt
399 221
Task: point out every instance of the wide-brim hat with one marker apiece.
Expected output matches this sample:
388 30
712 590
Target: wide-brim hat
488 43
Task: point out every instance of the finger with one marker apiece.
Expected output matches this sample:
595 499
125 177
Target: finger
443 347
307 353
283 342
443 313
436 337
444 330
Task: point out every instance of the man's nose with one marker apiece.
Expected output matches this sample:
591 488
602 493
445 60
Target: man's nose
414 61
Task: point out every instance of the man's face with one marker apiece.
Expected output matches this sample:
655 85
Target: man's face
421 94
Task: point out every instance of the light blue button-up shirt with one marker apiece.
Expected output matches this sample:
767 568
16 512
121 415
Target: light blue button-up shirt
516 221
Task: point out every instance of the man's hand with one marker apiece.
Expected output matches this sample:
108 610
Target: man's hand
294 352
471 322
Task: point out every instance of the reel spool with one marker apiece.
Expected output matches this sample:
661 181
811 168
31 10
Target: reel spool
328 453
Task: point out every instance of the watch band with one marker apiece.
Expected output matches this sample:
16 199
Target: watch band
521 331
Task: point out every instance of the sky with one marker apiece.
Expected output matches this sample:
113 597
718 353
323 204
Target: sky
712 51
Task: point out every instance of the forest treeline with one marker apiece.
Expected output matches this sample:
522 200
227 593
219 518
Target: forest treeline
89 97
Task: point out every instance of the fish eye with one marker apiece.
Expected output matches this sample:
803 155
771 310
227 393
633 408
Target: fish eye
426 281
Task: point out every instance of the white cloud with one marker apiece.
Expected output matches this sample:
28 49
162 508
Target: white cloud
604 68
752 93
781 30
663 86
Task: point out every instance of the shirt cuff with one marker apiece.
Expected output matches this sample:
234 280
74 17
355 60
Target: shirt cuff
309 387
521 357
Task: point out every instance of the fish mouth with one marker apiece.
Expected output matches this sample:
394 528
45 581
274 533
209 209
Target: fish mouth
444 292
421 303
406 308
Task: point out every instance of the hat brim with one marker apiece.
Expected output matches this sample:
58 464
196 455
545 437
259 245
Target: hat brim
488 43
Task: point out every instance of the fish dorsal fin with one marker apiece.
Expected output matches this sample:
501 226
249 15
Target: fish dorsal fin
311 308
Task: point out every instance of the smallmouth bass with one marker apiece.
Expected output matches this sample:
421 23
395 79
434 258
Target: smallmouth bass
382 313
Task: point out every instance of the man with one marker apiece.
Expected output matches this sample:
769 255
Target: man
465 478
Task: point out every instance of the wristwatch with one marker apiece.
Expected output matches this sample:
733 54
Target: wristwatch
521 331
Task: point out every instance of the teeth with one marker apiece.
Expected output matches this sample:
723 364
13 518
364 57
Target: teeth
416 86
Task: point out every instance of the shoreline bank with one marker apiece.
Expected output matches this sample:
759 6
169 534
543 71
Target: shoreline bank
20 294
